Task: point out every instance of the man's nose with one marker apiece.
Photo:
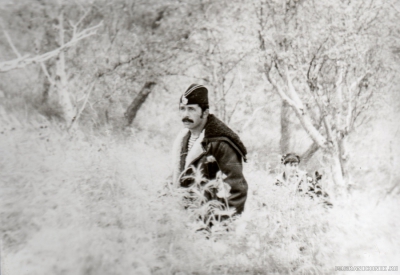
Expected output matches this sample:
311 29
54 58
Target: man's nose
184 113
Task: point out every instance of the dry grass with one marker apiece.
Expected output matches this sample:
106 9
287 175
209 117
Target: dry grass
84 203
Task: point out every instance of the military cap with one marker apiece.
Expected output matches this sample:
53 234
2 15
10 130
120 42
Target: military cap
195 94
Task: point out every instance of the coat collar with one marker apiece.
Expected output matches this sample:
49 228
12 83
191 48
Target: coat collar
215 129
196 151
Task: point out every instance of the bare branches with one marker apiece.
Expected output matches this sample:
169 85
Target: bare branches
89 89
352 112
117 65
76 25
292 92
248 122
232 112
236 63
277 87
296 104
336 68
229 86
339 97
46 73
25 60
11 44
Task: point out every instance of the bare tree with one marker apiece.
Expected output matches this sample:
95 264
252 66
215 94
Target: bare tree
327 73
58 80
25 60
141 44
212 54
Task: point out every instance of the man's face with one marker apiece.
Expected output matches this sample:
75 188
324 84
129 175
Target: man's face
191 115
291 169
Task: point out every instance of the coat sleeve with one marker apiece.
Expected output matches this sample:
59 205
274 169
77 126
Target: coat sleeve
230 163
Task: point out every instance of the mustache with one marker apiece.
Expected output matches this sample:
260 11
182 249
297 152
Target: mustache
186 119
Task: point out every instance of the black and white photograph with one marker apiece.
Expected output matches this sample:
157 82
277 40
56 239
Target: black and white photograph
199 137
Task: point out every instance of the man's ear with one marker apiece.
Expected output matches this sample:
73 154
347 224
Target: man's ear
207 112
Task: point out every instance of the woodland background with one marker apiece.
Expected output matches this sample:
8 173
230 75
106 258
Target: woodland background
89 96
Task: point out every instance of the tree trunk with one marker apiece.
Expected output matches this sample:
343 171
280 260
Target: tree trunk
307 155
64 98
285 128
336 169
343 157
46 88
132 110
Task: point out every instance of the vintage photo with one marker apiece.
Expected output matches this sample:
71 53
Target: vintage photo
199 137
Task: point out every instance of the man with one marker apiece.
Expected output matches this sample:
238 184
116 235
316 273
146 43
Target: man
297 181
209 146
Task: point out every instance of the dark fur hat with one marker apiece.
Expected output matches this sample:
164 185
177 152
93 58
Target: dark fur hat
195 94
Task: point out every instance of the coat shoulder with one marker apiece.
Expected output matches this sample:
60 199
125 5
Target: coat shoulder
223 145
216 129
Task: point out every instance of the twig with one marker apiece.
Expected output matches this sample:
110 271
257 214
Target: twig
251 118
12 44
25 60
47 73
90 88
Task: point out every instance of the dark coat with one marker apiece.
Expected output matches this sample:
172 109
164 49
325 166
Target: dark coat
219 150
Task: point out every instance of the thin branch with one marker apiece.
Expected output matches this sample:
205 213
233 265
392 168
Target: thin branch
394 7
358 80
310 65
233 111
13 48
26 60
43 66
89 89
247 123
314 58
363 107
82 18
235 64
278 70
339 97
366 24
80 5
230 86
349 115
12 44
117 65
352 113
279 90
292 92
